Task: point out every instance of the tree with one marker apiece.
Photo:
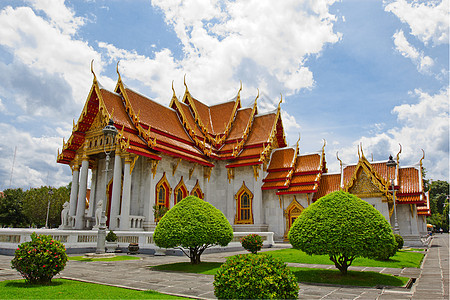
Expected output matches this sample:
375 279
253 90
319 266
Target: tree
344 227
439 191
11 208
193 224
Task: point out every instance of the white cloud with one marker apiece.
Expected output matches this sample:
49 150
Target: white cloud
35 159
423 125
2 107
423 62
429 20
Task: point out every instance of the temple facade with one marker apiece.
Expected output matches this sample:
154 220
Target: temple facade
231 156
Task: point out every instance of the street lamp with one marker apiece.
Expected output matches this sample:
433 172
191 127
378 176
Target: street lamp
109 132
391 164
50 193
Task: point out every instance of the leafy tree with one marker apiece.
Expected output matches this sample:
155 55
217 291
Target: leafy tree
344 227
36 201
11 208
193 224
439 191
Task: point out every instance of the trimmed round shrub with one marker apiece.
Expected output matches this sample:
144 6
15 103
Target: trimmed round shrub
255 277
111 236
40 259
344 227
252 243
193 224
399 240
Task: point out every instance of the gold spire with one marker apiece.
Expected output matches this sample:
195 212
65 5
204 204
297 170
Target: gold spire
398 154
92 70
359 154
117 70
337 156
187 90
174 96
324 144
423 157
362 152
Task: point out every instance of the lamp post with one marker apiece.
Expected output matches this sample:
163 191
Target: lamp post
391 164
109 132
50 193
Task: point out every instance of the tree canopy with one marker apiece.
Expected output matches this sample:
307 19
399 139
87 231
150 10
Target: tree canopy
439 191
193 224
344 227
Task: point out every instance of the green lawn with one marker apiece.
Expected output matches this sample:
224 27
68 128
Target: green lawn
354 278
70 289
402 259
116 258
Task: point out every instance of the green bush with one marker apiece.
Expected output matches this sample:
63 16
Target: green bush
111 236
193 224
399 240
344 227
252 243
40 259
255 277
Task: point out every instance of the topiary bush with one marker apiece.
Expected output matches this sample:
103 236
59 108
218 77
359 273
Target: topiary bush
252 243
344 227
193 224
111 236
255 277
399 240
40 259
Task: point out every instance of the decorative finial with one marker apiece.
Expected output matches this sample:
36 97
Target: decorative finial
117 70
400 151
92 70
279 103
337 156
240 88
423 157
359 154
257 96
173 90
324 144
299 136
185 83
362 153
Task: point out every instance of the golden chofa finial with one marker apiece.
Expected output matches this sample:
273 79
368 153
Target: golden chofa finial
174 96
240 88
92 71
359 154
362 152
423 157
185 82
281 101
117 70
324 144
400 151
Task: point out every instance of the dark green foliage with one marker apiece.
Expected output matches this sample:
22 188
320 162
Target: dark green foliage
111 236
159 211
255 277
40 259
35 202
399 240
439 190
193 224
344 227
11 208
252 243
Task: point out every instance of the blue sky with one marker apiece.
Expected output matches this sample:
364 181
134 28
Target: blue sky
350 72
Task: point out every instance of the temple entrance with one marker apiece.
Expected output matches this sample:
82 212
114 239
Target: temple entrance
292 212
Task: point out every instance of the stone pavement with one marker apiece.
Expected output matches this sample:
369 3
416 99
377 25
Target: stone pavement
432 283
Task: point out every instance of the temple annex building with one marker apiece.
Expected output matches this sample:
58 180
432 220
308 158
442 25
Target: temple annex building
231 156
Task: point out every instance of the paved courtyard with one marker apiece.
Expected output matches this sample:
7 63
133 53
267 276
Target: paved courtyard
432 278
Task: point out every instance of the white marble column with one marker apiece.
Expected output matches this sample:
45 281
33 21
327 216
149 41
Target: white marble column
93 196
74 192
257 199
117 188
126 196
149 201
79 218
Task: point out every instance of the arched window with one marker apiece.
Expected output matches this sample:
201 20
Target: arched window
244 214
180 192
197 191
163 192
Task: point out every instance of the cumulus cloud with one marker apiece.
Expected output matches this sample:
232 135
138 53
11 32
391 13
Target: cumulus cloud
424 124
428 20
224 41
423 62
35 158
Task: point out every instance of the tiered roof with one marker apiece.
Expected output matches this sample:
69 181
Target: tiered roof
187 129
291 173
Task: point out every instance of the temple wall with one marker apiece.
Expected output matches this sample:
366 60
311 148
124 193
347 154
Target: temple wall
378 204
408 223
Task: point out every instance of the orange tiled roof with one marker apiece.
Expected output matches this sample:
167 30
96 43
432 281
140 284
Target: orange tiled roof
300 179
300 189
281 159
328 183
239 123
308 163
220 116
409 180
261 129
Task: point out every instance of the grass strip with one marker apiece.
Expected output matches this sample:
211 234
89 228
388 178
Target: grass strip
309 275
71 289
402 259
115 258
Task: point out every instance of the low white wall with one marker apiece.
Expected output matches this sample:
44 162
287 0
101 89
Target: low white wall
10 238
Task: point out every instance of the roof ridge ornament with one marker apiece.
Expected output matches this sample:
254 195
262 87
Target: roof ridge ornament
281 101
187 90
362 152
359 154
398 154
423 157
174 96
337 156
92 71
324 144
117 70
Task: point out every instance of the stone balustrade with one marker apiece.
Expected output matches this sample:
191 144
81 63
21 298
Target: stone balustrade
75 240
